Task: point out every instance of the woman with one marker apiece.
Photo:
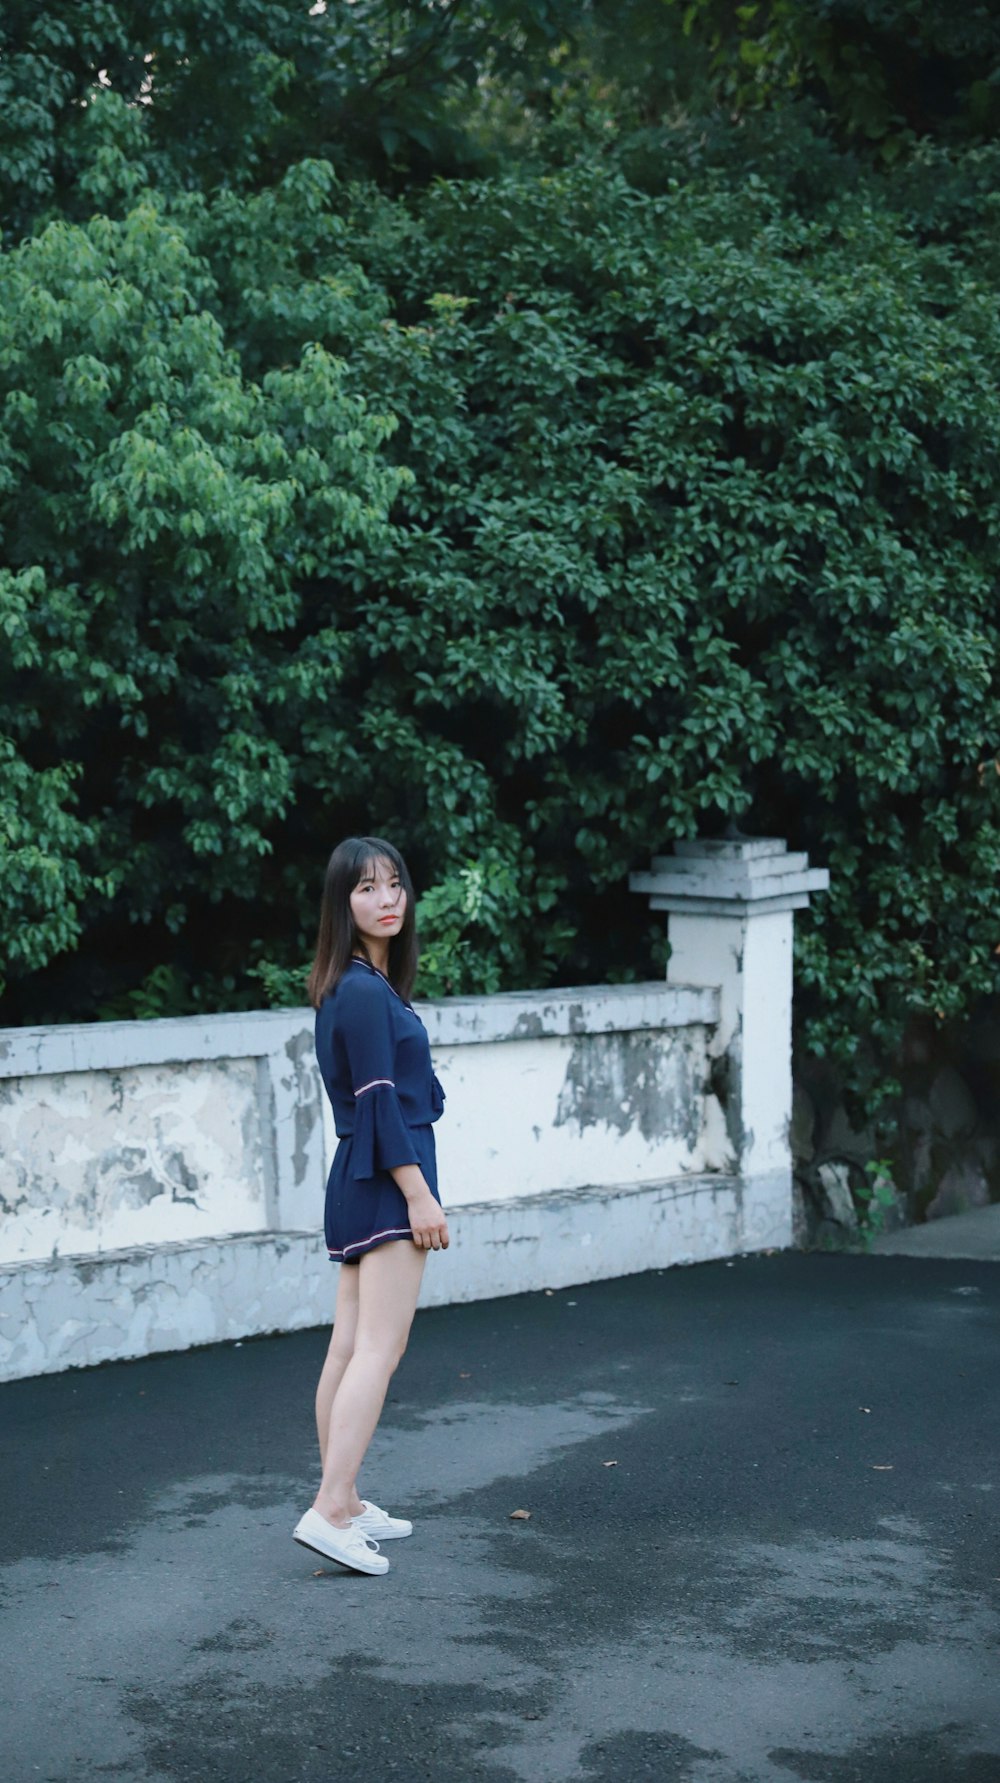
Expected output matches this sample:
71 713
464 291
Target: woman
383 1213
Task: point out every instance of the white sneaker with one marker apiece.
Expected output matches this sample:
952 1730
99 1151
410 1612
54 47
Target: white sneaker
350 1546
375 1522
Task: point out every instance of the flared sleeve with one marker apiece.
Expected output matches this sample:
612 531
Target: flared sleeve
382 1139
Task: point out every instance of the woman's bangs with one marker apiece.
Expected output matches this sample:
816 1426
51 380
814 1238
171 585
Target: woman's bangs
368 868
369 862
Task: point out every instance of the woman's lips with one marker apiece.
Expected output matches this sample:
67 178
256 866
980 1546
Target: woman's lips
393 918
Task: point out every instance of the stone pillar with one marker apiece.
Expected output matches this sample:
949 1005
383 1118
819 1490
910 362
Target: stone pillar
730 906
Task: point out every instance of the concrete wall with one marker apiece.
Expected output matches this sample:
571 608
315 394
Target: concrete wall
161 1183
105 1159
552 1091
124 1133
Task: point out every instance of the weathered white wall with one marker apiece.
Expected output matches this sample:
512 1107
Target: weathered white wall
123 1134
531 1116
99 1160
731 906
754 1033
163 1181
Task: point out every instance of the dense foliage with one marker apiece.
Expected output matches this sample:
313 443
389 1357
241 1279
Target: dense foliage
535 518
239 91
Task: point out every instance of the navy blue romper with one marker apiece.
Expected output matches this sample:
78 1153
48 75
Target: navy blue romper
375 1060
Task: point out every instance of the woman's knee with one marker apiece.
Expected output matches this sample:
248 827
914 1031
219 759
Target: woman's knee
341 1347
388 1351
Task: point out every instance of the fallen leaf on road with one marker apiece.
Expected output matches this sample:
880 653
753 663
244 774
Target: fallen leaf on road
609 1464
465 1377
520 1516
882 1467
550 1292
864 1408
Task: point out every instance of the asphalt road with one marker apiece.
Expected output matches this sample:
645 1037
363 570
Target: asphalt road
762 1545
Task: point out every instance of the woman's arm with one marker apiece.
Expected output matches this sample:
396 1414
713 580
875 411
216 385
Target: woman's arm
382 1139
427 1221
367 1029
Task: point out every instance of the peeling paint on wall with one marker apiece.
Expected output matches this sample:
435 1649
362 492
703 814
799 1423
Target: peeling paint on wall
163 1182
300 1052
645 1080
97 1160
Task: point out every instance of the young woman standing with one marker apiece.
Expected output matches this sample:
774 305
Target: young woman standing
383 1212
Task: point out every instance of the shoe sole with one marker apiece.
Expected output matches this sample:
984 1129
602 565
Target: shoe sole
350 1566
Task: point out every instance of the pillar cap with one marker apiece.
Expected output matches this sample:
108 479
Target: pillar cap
727 878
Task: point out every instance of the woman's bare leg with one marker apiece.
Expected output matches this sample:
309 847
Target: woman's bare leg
345 1321
389 1284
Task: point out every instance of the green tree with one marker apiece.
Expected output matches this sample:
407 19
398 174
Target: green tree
162 518
99 101
713 490
536 523
888 72
535 518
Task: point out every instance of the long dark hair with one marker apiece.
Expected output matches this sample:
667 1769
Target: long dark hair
338 937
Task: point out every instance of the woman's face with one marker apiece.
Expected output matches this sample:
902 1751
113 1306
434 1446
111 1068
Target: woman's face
378 903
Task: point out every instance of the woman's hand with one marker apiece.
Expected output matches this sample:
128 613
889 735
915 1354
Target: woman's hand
427 1221
428 1224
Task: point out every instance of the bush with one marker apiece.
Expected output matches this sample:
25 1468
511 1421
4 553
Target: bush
714 491
163 519
537 523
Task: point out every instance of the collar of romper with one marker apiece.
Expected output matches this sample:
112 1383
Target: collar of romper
357 960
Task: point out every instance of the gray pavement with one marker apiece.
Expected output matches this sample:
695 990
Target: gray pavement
975 1234
790 1571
